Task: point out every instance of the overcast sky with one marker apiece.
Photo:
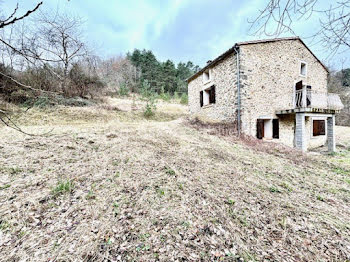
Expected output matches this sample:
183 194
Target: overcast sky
180 30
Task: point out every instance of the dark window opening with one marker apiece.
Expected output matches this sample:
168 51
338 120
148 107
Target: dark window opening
212 95
201 98
260 128
275 129
319 127
299 85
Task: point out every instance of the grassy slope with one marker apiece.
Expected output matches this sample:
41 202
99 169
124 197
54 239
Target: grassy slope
154 190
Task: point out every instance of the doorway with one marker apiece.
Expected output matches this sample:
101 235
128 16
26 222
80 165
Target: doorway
260 129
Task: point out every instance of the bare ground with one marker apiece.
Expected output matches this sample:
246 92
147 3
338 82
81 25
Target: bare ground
108 185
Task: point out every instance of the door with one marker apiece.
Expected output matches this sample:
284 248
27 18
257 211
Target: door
299 94
260 128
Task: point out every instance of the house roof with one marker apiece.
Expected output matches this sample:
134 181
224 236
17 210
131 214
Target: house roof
233 48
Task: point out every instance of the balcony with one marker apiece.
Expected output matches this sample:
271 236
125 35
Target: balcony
306 100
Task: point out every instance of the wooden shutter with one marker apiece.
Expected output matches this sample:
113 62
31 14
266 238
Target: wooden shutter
275 128
212 95
260 128
319 127
201 98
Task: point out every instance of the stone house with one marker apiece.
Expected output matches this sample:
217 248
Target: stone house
273 89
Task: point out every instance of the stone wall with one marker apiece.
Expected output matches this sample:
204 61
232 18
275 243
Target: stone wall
269 72
223 76
287 130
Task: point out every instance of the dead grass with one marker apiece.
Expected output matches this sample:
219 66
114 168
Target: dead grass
164 191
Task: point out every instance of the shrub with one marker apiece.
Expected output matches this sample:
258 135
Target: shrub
165 96
123 90
149 97
176 96
82 84
63 187
149 110
184 99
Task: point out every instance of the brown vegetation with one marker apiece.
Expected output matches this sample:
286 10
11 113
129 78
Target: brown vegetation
145 190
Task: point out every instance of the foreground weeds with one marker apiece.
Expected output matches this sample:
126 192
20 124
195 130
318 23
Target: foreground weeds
167 191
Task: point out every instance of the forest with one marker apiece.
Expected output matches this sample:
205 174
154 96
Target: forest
63 68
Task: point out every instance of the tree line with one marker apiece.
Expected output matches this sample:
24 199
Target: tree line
47 56
163 77
339 83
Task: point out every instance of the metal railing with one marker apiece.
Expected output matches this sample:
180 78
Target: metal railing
308 98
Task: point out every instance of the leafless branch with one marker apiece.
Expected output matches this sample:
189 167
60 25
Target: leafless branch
11 19
279 16
26 86
7 121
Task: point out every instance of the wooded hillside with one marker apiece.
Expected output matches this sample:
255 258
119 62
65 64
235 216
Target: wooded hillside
339 83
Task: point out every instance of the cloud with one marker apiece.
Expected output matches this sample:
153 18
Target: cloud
181 30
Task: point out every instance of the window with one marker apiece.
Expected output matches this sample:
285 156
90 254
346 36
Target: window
201 98
206 76
275 129
303 68
207 96
211 93
260 128
319 127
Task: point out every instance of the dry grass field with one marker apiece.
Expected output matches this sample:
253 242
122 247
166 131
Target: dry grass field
108 185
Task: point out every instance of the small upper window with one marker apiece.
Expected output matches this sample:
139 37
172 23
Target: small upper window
303 68
206 76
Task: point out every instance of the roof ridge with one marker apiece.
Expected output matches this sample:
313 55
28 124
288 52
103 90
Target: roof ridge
232 49
268 40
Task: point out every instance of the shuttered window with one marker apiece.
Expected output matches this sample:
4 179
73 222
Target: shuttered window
319 127
201 98
275 128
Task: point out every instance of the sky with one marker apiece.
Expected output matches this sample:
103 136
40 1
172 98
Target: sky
180 30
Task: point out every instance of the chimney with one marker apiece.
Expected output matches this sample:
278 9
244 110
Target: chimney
209 61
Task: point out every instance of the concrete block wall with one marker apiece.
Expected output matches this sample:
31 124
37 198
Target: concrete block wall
331 133
300 134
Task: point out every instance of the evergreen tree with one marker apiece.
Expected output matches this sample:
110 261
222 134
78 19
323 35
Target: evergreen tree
169 77
162 77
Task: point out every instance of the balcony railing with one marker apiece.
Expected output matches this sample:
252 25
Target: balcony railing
310 99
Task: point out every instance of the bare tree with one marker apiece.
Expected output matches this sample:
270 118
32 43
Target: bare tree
57 41
11 19
5 22
279 16
13 48
118 71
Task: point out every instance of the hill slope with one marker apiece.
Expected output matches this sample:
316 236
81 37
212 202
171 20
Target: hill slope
122 188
